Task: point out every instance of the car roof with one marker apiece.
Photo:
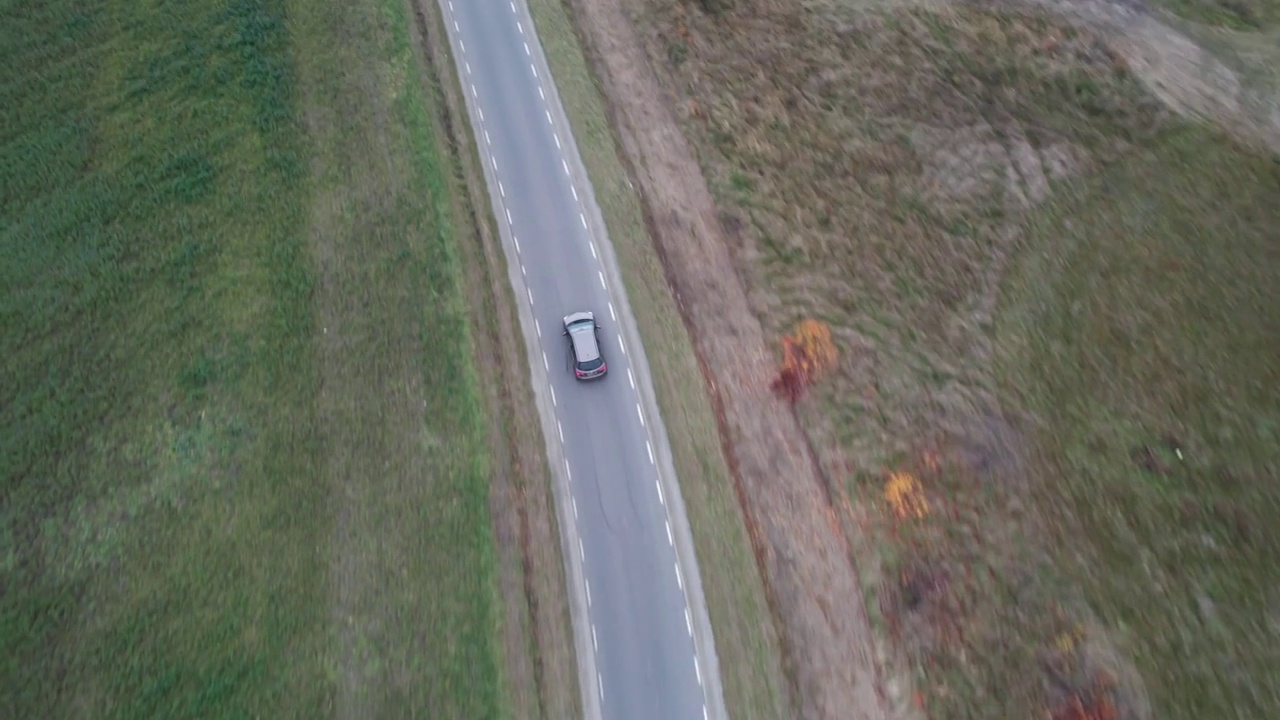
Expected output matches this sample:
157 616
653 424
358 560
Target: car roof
583 338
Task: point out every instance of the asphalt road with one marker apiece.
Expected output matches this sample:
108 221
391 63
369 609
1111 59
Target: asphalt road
644 644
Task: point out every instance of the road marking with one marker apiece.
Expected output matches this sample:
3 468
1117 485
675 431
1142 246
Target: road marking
600 680
451 5
649 446
613 315
601 274
567 471
516 240
572 188
688 622
509 216
542 94
530 291
679 577
704 711
671 541
458 29
526 52
553 395
595 641
513 7
522 270
622 345
587 583
520 26
557 137
575 508
536 325
501 191
535 73
697 669
467 65
560 430
582 553
494 162
487 140
473 92
631 378
640 414
563 162
583 218
544 362
658 484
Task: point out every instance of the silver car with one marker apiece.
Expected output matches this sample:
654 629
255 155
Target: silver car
584 344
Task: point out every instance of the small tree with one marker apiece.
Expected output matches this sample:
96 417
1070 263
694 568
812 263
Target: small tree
806 353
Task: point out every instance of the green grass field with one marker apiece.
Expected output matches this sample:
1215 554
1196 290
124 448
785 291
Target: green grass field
244 464
1145 340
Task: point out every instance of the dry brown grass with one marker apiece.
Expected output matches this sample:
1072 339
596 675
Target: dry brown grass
886 172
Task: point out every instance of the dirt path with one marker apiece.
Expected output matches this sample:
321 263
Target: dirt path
814 583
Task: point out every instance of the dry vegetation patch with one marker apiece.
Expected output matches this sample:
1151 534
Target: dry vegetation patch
885 172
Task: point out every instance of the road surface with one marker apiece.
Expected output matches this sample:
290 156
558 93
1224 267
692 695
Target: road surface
644 644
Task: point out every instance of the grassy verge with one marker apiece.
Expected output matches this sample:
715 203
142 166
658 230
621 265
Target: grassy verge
246 467
746 642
